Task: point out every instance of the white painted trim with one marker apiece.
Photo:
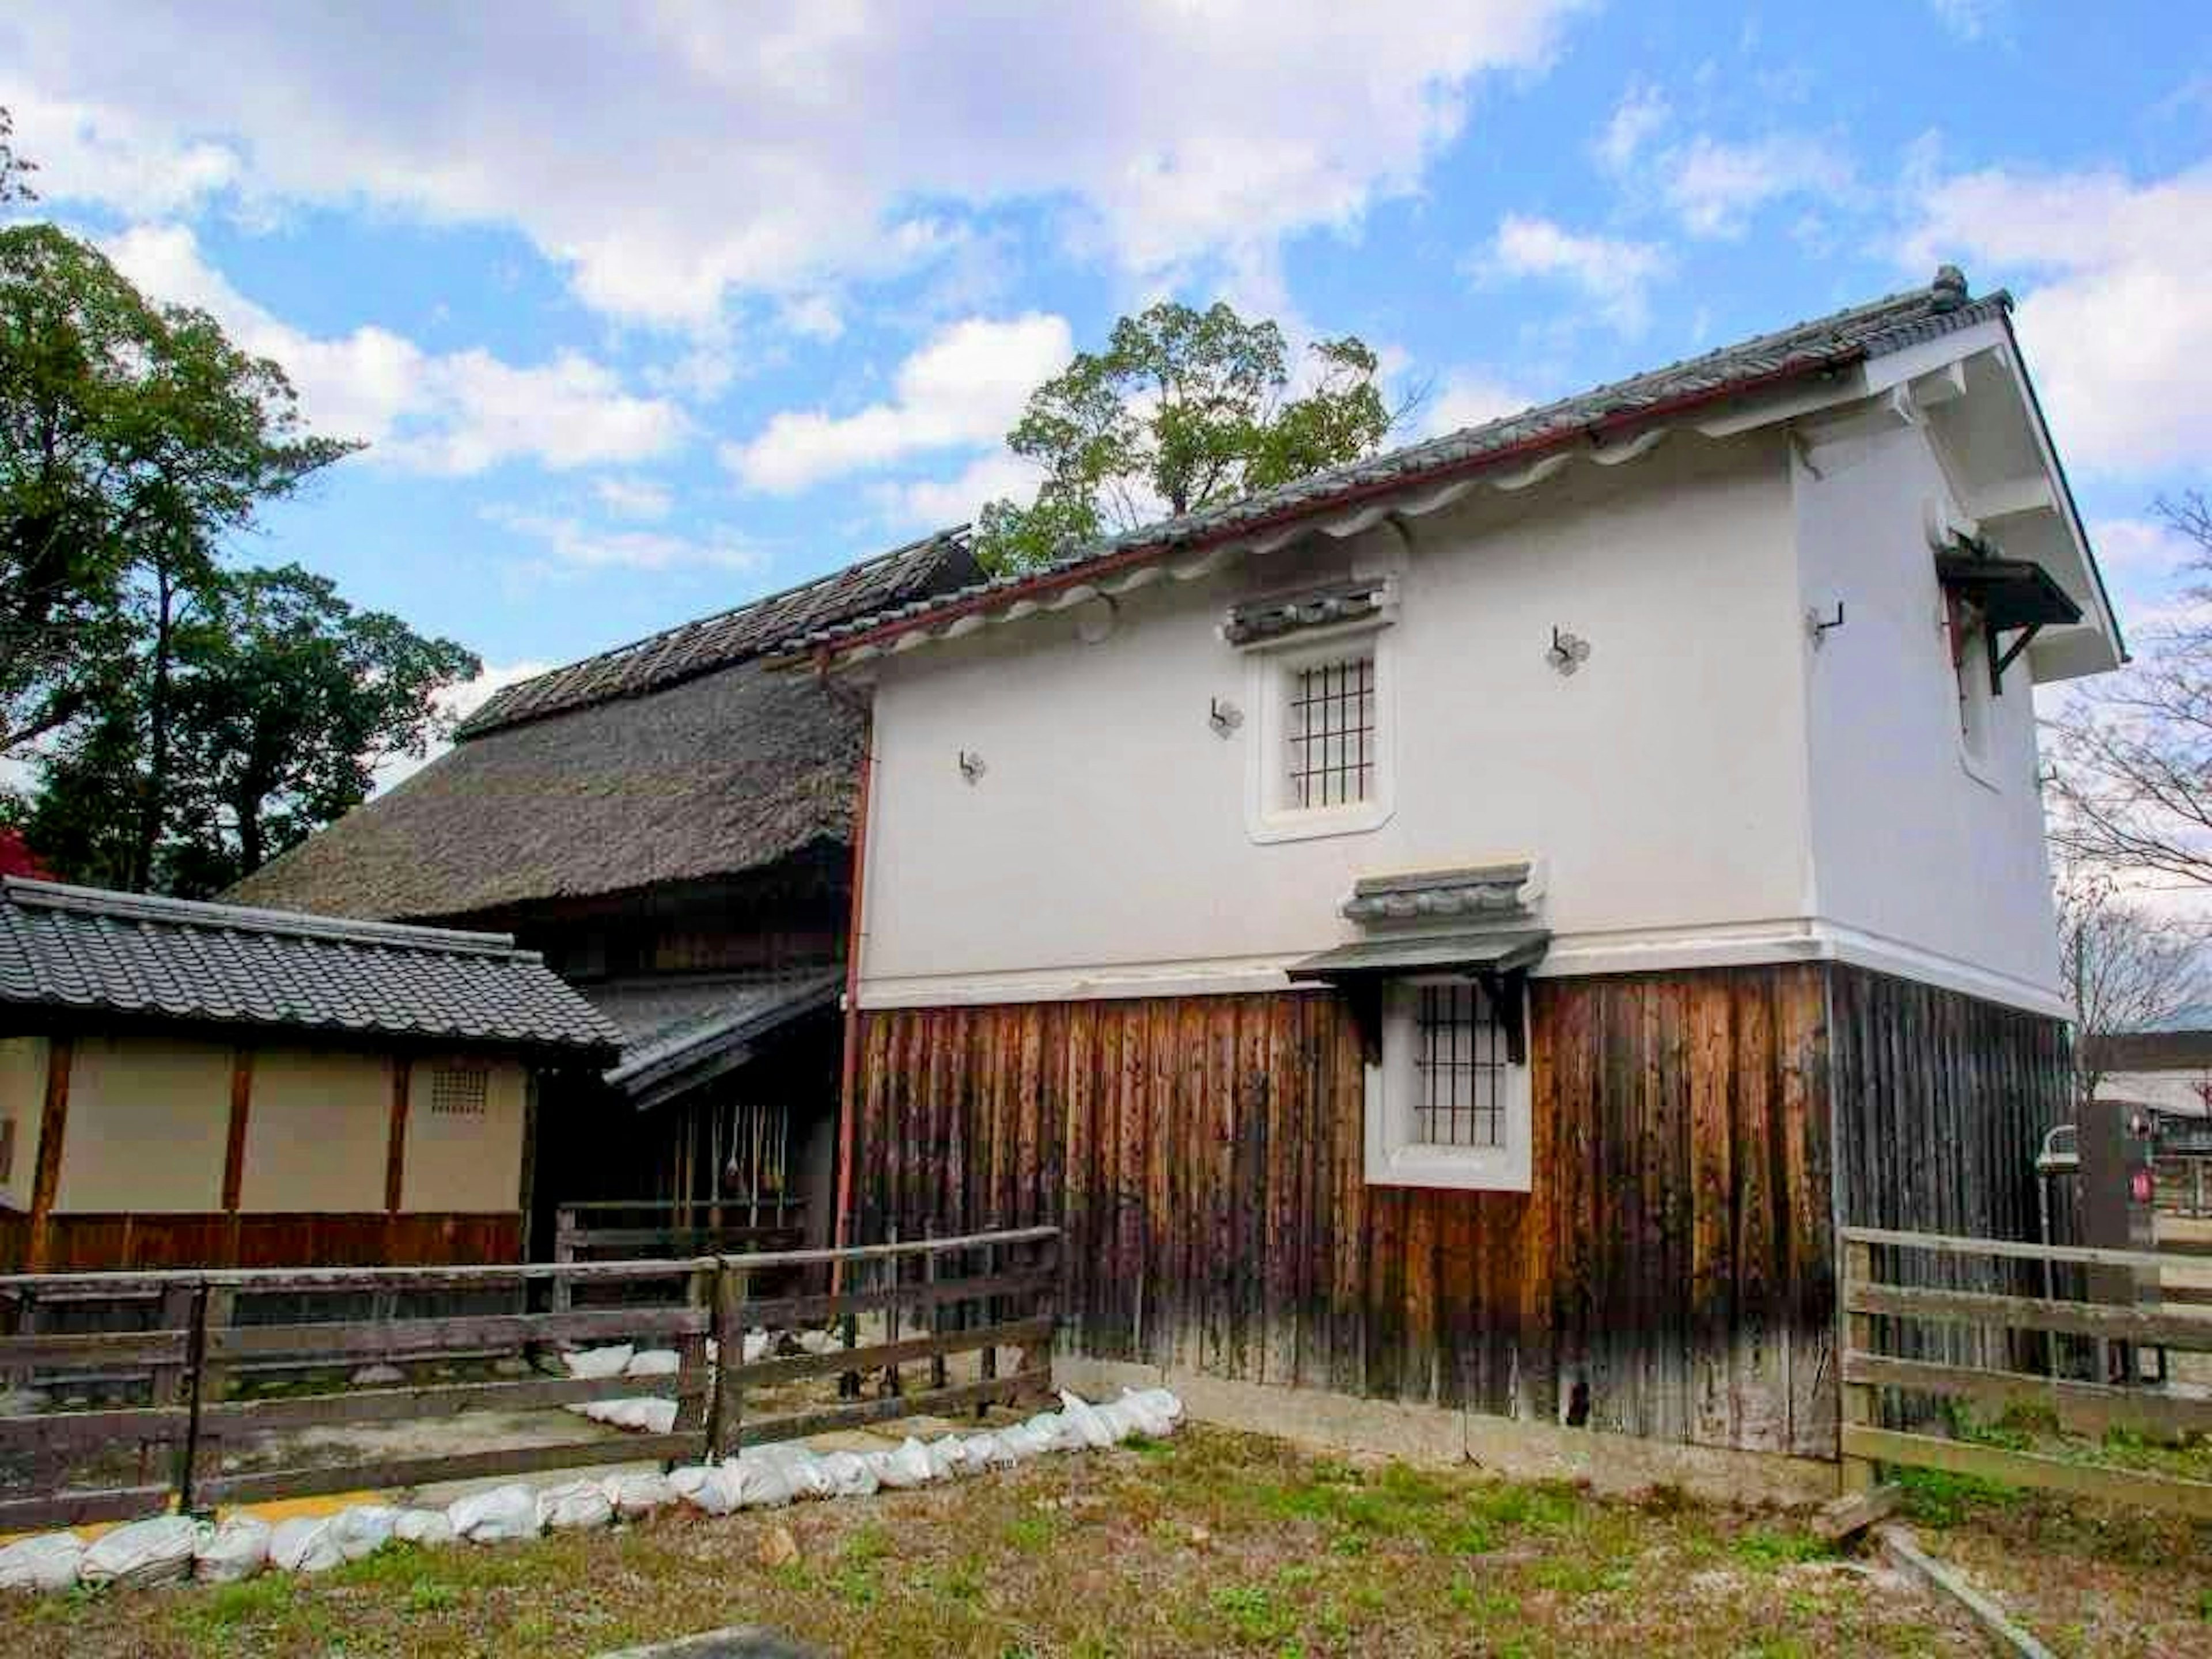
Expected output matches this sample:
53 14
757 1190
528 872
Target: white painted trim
1395 1158
1748 945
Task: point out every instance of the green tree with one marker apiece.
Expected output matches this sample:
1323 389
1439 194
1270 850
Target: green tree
1184 409
276 704
133 436
14 170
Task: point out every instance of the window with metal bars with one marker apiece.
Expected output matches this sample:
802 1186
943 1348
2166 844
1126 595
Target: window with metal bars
1331 732
1460 1062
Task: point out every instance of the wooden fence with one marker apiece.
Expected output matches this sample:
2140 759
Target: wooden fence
165 1381
2183 1184
1879 1310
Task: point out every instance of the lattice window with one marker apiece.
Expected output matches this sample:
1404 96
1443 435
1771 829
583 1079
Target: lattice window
458 1091
1331 730
1460 1062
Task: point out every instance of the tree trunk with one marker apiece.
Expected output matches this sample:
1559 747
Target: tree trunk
153 803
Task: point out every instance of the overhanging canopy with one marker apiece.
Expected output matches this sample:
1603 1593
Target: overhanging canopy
1492 952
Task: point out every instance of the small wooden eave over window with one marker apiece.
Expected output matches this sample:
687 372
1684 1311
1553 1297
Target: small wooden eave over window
2012 596
1498 960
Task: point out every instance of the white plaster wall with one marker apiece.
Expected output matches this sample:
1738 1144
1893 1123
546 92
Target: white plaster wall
1910 847
22 1102
1664 784
317 1131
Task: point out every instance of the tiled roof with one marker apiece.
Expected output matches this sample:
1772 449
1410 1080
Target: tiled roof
1824 344
740 1014
85 948
751 630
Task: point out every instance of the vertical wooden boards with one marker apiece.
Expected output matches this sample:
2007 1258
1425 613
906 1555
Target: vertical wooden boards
395 1159
1671 1273
234 1151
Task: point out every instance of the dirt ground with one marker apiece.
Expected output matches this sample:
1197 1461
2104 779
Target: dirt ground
1210 1543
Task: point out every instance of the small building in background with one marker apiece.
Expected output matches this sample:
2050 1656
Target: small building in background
670 823
190 1085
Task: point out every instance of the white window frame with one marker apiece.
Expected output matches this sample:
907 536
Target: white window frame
1272 670
1396 1157
1975 714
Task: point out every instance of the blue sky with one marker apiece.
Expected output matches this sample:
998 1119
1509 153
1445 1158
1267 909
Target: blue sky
647 310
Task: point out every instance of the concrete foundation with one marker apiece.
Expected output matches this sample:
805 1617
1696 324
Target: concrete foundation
1525 1451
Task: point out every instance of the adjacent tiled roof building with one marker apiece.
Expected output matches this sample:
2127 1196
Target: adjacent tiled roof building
85 949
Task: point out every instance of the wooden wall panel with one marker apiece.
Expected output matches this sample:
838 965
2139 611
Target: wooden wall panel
1671 1275
100 1244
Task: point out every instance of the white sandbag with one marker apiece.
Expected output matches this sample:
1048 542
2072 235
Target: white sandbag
634 1495
755 1347
689 1479
598 1362
1143 1408
304 1543
818 1341
850 1475
47 1562
575 1506
1055 1432
1019 1442
237 1549
156 1552
801 1469
904 1468
945 1457
654 1362
1079 1415
983 1450
648 1416
756 1482
715 1491
426 1528
1161 1403
495 1516
363 1529
1120 1422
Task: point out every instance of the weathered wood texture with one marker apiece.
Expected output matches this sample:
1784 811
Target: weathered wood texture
124 1244
1671 1275
1942 1101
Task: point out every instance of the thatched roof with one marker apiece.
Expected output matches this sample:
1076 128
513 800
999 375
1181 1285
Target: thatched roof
681 758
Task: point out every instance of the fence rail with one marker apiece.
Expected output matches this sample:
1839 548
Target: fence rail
163 1401
2094 1405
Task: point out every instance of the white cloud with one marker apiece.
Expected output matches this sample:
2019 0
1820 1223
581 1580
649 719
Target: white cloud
1636 119
965 386
574 543
2116 316
89 152
634 498
667 155
812 317
1612 273
1714 187
1469 397
457 412
2141 551
456 703
937 503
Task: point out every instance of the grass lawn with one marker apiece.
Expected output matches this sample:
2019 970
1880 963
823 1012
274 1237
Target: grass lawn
1213 1542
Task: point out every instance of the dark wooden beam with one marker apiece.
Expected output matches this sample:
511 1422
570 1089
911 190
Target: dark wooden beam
53 1120
234 1155
395 1162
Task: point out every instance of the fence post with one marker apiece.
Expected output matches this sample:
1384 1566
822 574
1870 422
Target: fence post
894 1268
211 1308
936 1320
693 1373
564 1252
172 1385
988 1364
726 1424
1856 1474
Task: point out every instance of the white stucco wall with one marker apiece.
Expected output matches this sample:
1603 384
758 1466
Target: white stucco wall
1917 851
148 1127
1105 848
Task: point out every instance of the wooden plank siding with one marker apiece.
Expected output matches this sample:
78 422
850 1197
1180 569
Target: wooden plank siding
1672 1274
92 1242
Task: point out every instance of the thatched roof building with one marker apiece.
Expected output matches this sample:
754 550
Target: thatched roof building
678 759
